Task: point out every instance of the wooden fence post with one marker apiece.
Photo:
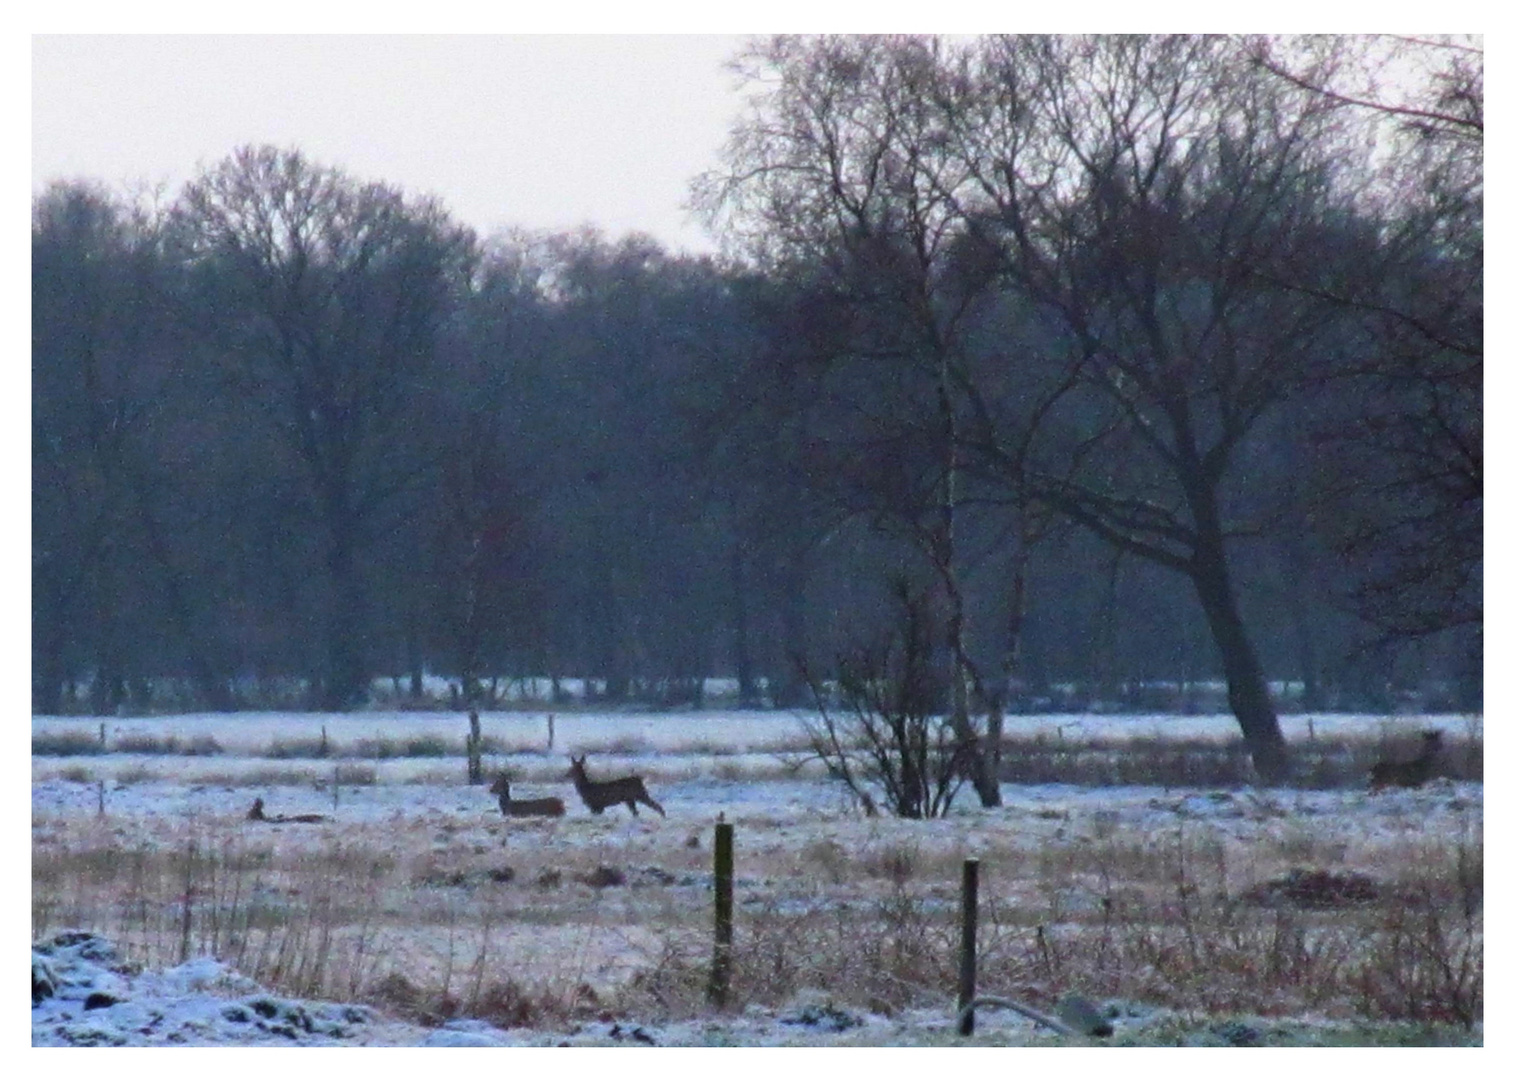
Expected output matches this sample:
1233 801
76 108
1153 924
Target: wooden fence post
967 969
720 967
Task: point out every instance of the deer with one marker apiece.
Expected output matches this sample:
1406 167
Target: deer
598 794
1408 774
257 814
549 807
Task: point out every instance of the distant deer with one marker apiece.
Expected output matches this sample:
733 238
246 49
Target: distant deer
1410 773
598 794
257 814
549 807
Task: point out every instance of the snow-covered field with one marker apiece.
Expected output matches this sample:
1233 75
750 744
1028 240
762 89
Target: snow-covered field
677 732
415 892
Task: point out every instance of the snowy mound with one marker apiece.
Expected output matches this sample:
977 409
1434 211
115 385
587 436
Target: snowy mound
84 995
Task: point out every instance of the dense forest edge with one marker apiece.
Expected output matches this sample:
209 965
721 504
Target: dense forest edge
1035 373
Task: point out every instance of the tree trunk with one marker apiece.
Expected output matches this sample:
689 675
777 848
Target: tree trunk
790 687
1246 688
413 662
1107 670
344 665
747 695
985 782
49 640
47 671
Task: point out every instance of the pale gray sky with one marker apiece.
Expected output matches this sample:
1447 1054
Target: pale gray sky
540 131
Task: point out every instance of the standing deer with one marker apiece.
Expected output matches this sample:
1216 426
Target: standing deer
1410 773
598 794
549 807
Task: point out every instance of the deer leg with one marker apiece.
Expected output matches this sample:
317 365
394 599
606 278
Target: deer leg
632 803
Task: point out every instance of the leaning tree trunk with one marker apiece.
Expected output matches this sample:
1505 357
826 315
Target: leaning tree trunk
1246 687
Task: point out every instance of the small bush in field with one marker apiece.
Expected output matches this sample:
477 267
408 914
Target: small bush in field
199 746
356 775
422 746
146 744
203 746
426 746
298 748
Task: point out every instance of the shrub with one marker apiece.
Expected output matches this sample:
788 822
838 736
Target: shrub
356 775
199 746
298 748
887 736
427 746
65 744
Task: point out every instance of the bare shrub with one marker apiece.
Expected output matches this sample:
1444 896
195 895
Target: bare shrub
429 746
896 862
603 877
65 744
356 775
887 739
198 746
829 858
506 1004
1425 965
281 749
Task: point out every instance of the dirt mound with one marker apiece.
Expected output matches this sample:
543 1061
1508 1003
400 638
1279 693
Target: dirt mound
1307 888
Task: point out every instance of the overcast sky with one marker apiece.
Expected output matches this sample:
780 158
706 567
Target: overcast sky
545 132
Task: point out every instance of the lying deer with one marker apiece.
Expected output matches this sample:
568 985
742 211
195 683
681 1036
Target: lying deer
1410 773
549 807
598 794
257 814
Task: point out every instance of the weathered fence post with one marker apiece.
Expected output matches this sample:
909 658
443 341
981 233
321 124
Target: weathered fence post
549 733
336 785
475 749
100 794
102 734
967 969
720 966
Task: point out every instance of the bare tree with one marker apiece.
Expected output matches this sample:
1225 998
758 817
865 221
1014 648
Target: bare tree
107 419
1402 468
328 296
1109 253
835 176
1144 194
86 416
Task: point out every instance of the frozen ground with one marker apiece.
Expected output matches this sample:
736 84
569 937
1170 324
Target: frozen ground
801 845
84 994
